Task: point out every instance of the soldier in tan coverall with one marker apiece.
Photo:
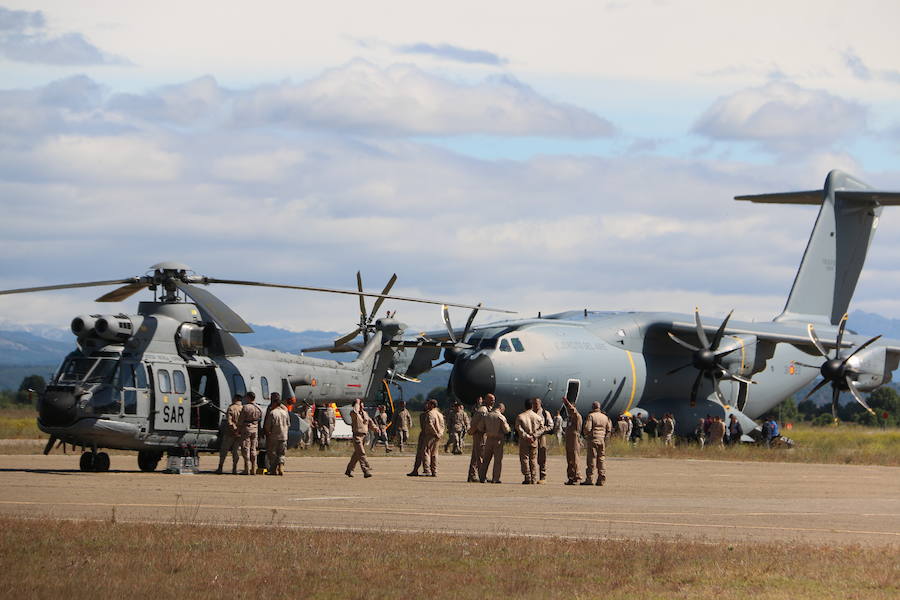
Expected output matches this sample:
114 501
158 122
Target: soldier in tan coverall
716 432
478 435
248 427
595 430
547 419
458 428
495 428
230 437
420 444
359 424
433 431
402 424
529 426
278 421
667 428
572 434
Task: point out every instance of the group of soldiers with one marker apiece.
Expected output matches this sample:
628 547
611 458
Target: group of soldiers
240 433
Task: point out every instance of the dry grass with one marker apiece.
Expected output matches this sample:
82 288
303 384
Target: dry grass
62 559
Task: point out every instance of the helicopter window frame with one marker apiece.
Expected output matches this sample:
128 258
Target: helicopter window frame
504 346
264 387
164 380
240 388
179 384
517 345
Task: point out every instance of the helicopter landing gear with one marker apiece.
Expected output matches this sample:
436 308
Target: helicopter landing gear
94 462
147 460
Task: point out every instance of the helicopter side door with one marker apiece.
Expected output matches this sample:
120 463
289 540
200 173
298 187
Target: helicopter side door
171 401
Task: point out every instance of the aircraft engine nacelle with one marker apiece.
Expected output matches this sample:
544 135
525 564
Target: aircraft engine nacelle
189 337
873 367
83 325
117 328
749 355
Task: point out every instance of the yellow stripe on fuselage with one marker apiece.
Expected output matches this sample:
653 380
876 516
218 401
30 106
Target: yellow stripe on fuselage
633 381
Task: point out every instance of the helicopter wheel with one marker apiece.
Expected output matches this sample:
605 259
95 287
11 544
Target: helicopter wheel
101 462
148 460
86 463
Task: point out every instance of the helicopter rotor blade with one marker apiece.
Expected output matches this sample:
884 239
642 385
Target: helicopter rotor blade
347 337
122 293
380 300
66 286
445 313
815 340
226 318
701 333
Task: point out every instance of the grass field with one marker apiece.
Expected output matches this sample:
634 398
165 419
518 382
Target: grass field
73 560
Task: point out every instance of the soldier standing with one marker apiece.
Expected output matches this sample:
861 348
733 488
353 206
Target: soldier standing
495 428
229 435
572 435
420 443
547 429
716 434
450 420
359 423
529 427
433 431
381 426
325 425
248 428
459 428
278 421
595 430
402 423
667 429
477 436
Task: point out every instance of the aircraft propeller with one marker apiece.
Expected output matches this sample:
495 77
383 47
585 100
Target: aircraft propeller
707 359
452 351
837 371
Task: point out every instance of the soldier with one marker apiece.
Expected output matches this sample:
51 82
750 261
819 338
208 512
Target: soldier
595 430
495 428
450 419
229 435
700 433
459 428
402 423
477 436
381 426
716 432
529 427
278 421
359 423
433 431
572 434
420 444
248 427
547 429
325 425
667 428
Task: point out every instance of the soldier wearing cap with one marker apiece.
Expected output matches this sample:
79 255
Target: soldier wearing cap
495 428
529 427
477 431
276 426
359 423
433 431
248 428
595 430
420 443
572 433
402 423
380 429
458 428
230 436
547 429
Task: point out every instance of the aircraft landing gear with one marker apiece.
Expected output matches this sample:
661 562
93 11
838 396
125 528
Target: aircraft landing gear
94 462
147 460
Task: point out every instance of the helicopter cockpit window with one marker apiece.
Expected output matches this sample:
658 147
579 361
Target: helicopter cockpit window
264 383
165 382
131 378
75 369
504 346
178 380
517 344
239 387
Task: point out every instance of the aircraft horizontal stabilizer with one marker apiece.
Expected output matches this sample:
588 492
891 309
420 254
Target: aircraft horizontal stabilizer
873 197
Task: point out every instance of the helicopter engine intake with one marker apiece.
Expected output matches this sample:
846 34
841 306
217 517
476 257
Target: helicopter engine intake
190 337
83 325
116 328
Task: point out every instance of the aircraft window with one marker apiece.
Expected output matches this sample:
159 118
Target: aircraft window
75 369
517 344
126 376
165 383
104 371
178 380
504 346
105 401
488 344
239 387
265 387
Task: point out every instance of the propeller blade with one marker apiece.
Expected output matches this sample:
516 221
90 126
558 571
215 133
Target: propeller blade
800 364
675 370
470 320
835 397
818 387
840 335
347 337
720 331
681 342
384 292
226 318
857 396
695 388
119 294
852 354
362 300
727 352
445 312
66 286
49 445
308 288
742 379
815 340
701 333
720 398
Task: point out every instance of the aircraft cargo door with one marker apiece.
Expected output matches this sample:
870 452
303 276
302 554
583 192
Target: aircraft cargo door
171 402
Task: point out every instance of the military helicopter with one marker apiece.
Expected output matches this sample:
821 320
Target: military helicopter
159 380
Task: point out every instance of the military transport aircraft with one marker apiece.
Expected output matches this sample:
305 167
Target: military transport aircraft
159 380
686 364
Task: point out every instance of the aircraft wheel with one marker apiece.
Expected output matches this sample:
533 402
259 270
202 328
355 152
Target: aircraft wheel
101 462
86 463
147 460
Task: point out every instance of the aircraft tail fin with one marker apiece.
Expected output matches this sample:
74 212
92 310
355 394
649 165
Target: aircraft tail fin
837 247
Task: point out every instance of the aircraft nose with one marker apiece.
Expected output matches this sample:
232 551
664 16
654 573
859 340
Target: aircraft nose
57 408
473 377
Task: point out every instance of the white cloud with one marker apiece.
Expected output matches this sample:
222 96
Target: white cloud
107 158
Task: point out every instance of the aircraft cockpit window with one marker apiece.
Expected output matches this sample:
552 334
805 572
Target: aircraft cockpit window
178 380
517 344
504 346
487 344
264 383
165 382
239 387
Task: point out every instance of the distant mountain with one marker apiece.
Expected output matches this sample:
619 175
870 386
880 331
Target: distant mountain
18 348
273 338
871 324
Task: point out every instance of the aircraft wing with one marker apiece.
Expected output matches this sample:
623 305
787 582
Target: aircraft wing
773 332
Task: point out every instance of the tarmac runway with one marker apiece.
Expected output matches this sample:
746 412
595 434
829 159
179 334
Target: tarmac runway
644 498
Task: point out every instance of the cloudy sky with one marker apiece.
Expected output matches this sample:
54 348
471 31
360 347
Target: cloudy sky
530 157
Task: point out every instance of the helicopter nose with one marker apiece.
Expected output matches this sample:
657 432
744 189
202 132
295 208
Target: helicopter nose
57 408
473 377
